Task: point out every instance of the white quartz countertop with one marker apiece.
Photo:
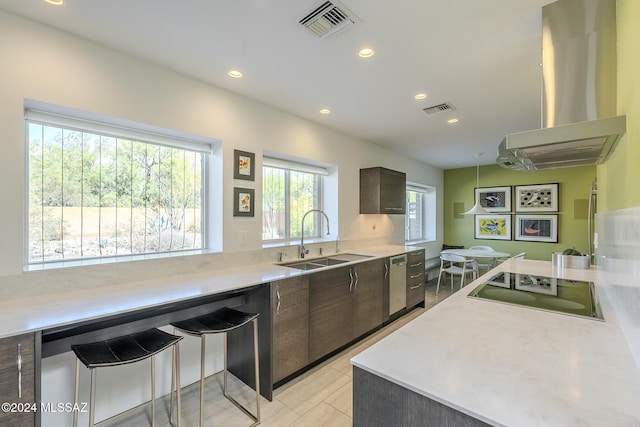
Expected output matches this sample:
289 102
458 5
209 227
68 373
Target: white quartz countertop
514 366
52 307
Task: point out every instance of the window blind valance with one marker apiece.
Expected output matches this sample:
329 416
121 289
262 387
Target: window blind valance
121 129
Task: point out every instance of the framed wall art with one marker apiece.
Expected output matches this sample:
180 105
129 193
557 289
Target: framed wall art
493 227
495 199
243 201
244 165
536 198
537 228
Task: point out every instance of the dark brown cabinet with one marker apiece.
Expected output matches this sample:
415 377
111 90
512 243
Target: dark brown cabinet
415 278
17 381
329 310
367 300
382 191
344 304
290 314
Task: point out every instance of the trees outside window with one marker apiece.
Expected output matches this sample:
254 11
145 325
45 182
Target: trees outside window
98 195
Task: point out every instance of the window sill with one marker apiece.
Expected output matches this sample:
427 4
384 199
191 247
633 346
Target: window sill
51 265
417 242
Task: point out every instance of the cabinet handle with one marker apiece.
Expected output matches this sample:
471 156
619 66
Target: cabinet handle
350 279
416 286
19 371
386 270
416 265
393 209
278 295
355 272
417 275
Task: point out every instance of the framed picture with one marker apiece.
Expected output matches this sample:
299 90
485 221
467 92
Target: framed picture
493 227
537 228
537 198
495 199
244 165
243 201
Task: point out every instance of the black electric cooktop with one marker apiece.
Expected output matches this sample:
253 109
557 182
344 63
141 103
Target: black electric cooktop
573 297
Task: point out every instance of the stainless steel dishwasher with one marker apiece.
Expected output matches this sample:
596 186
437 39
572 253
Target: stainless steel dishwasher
397 283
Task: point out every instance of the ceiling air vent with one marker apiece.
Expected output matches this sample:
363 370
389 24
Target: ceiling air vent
328 18
440 108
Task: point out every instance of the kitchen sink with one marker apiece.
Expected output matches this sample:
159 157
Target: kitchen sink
316 263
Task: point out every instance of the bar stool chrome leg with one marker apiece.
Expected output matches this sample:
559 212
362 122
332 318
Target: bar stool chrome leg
223 321
75 394
256 417
175 387
153 391
92 398
202 366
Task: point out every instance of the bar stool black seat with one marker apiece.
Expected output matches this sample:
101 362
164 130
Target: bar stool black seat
123 350
222 321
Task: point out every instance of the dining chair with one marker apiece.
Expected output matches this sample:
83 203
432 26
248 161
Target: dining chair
486 266
521 255
454 265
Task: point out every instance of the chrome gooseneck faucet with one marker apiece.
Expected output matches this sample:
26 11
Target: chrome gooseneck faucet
303 250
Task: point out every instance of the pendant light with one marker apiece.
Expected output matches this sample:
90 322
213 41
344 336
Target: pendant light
477 209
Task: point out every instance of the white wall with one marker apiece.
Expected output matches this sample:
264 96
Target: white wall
618 258
47 65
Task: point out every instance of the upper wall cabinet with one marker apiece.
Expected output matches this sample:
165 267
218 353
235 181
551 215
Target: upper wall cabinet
382 191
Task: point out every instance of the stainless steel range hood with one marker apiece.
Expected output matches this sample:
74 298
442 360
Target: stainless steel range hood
579 126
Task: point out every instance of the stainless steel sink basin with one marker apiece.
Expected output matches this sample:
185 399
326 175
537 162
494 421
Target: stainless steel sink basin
316 263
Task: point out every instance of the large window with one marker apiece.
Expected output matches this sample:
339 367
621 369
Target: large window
288 191
97 190
420 219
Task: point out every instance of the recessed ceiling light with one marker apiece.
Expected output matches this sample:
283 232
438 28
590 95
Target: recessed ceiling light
367 52
452 121
235 74
325 111
56 2
420 96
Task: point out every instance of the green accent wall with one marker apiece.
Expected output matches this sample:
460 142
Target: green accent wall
618 179
573 193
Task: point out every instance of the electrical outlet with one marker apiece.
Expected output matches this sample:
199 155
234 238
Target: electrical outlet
243 237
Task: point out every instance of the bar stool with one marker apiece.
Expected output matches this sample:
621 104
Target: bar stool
124 350
222 321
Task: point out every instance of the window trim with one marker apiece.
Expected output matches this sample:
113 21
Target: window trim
273 161
52 115
428 192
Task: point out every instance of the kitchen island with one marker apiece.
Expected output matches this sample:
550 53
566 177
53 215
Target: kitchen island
474 362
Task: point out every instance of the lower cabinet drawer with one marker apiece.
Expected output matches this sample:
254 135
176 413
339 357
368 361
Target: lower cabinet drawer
415 293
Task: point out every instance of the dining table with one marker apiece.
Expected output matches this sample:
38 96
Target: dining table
477 253
491 258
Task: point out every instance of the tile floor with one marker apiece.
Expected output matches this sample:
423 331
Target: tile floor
320 397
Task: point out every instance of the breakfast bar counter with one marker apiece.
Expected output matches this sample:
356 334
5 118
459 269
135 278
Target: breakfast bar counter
473 361
42 314
51 307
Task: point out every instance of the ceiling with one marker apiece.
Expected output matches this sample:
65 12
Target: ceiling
483 57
